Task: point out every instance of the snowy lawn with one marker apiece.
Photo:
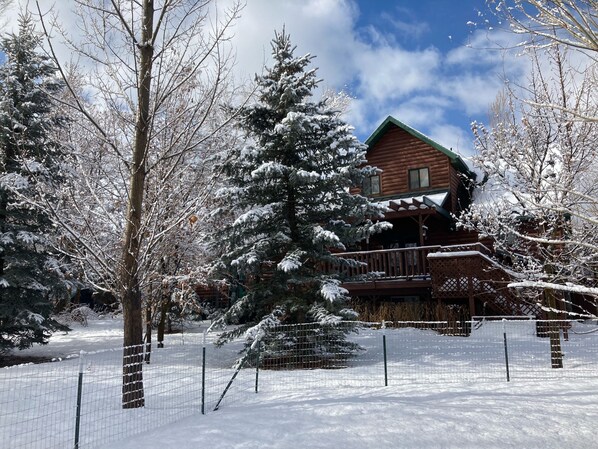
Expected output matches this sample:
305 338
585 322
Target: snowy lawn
444 392
463 415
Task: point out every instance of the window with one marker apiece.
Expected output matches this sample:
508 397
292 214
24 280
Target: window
371 185
419 178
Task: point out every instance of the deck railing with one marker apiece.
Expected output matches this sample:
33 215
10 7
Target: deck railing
479 247
388 263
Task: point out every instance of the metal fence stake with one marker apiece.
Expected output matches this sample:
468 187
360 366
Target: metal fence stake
203 375
79 396
232 379
385 358
257 367
504 333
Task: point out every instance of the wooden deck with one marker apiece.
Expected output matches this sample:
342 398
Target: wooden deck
402 271
444 272
390 264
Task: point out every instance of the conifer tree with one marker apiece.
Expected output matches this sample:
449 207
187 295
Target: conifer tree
289 189
29 164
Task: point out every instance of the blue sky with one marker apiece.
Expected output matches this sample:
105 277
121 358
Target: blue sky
441 29
432 64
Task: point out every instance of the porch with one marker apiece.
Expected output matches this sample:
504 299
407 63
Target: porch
446 273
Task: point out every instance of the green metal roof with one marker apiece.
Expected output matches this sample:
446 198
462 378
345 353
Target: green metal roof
455 159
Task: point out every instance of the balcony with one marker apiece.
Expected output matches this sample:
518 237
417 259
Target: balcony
450 272
388 264
398 271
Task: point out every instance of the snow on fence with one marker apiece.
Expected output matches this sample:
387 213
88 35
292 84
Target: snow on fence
45 406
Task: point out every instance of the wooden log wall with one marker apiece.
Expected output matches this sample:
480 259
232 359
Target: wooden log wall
397 152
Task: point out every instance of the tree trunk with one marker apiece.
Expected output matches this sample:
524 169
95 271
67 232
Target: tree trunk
164 306
148 333
291 212
133 396
9 164
3 216
554 330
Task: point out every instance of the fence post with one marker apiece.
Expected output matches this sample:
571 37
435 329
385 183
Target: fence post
240 366
504 333
79 395
203 374
257 366
384 351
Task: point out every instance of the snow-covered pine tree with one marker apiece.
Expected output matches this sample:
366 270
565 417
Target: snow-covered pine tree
29 276
289 189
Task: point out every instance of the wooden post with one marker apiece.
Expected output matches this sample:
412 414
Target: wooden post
470 293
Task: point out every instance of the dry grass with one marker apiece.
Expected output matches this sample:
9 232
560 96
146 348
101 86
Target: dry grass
395 313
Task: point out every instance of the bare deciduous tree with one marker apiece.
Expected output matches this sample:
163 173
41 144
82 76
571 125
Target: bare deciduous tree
146 110
573 23
539 202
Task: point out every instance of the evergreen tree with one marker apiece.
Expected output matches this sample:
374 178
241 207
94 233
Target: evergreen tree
29 163
289 190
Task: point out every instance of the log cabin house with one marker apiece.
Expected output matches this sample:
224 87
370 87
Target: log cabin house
425 258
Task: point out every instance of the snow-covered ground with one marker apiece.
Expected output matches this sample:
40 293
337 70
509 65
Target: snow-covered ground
444 392
468 415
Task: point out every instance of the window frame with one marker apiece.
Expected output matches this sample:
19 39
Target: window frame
415 174
378 184
368 185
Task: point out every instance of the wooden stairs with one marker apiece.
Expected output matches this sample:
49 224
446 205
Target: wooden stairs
466 272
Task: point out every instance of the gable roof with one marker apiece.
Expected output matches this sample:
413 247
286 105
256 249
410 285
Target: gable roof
455 159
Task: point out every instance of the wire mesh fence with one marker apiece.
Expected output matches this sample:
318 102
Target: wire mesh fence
441 352
41 407
37 405
79 402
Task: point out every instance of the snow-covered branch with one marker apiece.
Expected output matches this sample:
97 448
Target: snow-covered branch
571 288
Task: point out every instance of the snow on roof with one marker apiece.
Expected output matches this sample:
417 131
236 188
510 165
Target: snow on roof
435 200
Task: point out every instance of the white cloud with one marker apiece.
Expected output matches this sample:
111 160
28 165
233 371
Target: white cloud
323 28
422 110
404 23
481 68
485 48
392 72
473 93
422 87
457 139
375 69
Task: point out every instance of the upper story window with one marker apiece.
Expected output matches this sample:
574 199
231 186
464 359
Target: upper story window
419 178
371 185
